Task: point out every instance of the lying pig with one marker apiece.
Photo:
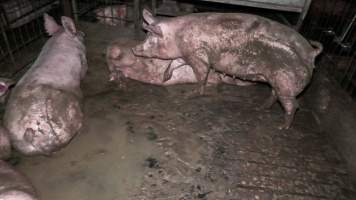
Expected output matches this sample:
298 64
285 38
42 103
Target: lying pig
43 112
13 185
122 63
243 45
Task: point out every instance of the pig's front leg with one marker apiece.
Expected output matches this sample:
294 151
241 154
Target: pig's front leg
200 66
173 65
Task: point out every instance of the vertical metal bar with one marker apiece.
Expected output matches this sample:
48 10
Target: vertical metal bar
154 6
341 19
4 35
137 14
67 8
303 14
347 29
75 9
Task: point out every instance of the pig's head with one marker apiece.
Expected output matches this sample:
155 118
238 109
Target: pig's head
68 28
160 42
121 62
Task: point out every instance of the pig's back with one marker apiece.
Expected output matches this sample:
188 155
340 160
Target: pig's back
58 65
219 30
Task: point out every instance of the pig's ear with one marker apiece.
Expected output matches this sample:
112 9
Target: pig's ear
3 88
148 17
156 30
50 24
7 82
68 25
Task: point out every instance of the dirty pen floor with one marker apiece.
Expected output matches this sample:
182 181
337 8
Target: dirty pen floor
151 143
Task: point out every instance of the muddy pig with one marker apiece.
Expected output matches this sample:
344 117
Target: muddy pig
43 112
243 45
122 63
13 185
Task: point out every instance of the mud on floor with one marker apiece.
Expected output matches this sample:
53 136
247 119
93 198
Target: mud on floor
150 142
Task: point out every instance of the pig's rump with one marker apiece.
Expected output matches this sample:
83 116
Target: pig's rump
41 119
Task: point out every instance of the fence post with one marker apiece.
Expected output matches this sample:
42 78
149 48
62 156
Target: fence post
67 8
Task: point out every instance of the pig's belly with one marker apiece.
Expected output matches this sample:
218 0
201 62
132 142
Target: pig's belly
244 72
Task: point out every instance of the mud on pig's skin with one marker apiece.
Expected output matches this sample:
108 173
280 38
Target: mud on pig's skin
122 63
43 112
247 46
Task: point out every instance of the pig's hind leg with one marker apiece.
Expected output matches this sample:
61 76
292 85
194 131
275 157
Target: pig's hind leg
290 105
286 89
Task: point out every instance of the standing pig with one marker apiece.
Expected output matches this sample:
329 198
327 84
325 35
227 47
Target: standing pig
242 45
13 185
43 112
122 63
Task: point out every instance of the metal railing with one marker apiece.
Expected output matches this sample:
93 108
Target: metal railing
21 24
333 23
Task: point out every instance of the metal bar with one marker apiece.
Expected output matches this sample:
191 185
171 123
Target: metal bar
137 14
303 14
346 30
75 10
266 5
154 6
4 35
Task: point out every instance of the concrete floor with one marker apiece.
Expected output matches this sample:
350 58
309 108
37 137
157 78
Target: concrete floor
149 142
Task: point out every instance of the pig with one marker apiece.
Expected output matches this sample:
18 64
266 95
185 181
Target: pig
247 46
113 15
122 63
43 112
14 185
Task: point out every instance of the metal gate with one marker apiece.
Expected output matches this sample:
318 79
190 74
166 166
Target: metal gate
21 24
333 23
108 12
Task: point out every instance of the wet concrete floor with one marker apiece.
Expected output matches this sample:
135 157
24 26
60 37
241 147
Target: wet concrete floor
150 142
